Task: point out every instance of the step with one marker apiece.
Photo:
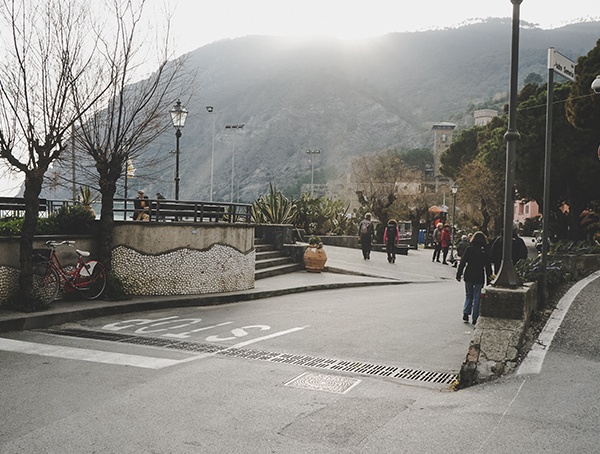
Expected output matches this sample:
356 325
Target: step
277 270
277 261
265 255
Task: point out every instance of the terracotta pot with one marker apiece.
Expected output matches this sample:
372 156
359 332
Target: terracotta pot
314 259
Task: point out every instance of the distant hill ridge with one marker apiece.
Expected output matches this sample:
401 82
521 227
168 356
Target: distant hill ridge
345 99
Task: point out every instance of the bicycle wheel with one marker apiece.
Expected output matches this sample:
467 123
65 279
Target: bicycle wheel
91 280
46 284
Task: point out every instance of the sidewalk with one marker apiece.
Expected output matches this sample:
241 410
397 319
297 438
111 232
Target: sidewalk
346 269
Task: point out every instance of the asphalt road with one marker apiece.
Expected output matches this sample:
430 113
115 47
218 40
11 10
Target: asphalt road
79 395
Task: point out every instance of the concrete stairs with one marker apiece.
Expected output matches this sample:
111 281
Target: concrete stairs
271 262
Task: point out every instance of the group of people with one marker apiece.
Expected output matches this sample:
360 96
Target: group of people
477 259
442 238
391 237
141 206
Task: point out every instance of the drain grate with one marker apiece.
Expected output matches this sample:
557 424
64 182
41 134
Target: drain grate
321 382
355 367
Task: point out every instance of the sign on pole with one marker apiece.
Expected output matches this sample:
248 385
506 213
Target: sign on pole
561 64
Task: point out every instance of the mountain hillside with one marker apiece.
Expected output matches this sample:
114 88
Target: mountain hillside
342 98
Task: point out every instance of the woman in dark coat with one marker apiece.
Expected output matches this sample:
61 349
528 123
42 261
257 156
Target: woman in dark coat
475 265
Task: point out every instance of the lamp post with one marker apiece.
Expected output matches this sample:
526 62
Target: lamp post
454 189
211 110
178 116
507 277
233 128
312 169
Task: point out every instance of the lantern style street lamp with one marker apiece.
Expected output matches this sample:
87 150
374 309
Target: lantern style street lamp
454 190
178 116
507 277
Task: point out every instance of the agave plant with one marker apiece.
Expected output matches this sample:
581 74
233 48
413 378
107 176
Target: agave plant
274 208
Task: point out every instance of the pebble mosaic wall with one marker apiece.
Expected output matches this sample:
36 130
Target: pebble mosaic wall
184 271
9 282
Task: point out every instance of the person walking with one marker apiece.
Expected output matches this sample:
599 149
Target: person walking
366 233
475 264
445 240
391 237
437 242
462 246
519 250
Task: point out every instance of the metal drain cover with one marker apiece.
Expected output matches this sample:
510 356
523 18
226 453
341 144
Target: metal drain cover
321 382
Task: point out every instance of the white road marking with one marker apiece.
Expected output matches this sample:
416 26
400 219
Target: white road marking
243 344
84 354
533 362
121 359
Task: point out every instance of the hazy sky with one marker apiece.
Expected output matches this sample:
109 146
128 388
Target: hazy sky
199 22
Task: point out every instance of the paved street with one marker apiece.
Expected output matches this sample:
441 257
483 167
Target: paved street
293 374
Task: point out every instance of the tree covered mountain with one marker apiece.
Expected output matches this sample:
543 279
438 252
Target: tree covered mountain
344 98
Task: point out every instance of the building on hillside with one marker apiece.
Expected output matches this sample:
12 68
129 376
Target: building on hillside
525 209
442 138
484 116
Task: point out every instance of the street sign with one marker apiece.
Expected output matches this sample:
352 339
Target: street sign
561 64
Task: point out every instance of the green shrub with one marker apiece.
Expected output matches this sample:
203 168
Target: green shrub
575 247
11 226
530 270
74 219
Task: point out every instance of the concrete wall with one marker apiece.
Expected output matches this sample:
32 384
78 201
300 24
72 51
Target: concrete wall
159 258
170 259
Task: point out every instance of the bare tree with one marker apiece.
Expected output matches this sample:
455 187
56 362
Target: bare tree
46 52
133 114
377 180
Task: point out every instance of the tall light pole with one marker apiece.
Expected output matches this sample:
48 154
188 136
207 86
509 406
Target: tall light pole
312 154
507 277
454 189
233 128
211 110
178 116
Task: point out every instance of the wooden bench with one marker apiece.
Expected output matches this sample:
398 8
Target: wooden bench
196 211
16 206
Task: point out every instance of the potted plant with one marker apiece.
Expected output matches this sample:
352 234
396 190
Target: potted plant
315 256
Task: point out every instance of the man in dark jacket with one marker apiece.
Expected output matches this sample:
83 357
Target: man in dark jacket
519 250
477 270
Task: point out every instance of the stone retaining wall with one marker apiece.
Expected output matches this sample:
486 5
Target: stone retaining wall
159 258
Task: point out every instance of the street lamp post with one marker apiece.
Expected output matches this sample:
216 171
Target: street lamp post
211 110
312 169
178 116
233 128
507 277
454 189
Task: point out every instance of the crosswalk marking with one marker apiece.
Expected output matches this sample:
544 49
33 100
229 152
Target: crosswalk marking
84 354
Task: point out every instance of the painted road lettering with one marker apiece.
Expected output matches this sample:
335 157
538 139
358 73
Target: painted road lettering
170 326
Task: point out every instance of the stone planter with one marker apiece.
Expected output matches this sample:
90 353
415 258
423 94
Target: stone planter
314 259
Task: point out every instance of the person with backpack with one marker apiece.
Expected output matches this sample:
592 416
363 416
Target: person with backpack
391 237
475 264
366 233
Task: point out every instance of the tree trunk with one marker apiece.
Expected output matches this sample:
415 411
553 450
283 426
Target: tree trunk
107 221
33 187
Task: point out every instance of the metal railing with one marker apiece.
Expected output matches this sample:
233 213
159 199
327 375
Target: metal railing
161 210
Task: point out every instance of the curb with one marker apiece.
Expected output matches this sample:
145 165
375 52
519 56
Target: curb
58 316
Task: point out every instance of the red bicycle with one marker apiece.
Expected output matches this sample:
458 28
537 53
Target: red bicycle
88 277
